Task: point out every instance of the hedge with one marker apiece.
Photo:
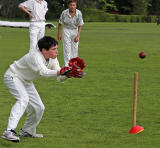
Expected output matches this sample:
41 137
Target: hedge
95 15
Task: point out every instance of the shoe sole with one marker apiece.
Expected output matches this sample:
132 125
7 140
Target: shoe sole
30 136
27 135
13 140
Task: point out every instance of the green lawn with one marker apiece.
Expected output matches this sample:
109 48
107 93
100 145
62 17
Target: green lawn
96 111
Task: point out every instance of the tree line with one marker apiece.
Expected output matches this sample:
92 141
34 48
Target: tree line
9 9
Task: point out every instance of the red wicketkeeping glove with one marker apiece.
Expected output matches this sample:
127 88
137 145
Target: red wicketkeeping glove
77 63
76 73
65 71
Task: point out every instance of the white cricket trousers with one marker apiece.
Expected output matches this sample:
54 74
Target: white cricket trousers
28 100
70 48
37 31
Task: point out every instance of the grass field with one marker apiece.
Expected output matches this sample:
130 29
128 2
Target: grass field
96 111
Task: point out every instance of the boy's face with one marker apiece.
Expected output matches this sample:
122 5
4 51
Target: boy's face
72 6
51 53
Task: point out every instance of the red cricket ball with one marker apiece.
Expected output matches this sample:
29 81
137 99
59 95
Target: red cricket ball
142 55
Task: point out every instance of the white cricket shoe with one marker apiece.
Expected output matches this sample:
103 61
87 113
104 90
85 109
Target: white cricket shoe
10 135
22 134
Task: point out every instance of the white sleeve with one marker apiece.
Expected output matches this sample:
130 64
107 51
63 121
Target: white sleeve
80 23
61 19
36 64
54 64
28 4
46 6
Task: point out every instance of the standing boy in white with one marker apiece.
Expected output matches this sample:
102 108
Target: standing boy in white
36 9
18 78
73 21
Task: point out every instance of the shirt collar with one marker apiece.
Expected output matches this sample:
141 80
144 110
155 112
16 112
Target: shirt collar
39 1
40 53
70 15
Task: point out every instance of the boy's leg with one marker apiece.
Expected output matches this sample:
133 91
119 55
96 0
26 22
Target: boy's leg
66 39
34 30
17 89
74 45
41 30
34 111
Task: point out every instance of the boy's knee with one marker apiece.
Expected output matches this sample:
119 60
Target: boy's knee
41 108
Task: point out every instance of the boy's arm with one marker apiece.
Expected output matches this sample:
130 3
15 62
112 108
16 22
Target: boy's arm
59 32
60 22
25 10
79 30
80 24
78 34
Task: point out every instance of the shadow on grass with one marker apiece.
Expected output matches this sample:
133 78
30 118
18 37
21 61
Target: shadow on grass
5 143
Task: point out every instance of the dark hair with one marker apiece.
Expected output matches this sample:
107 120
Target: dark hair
47 42
72 1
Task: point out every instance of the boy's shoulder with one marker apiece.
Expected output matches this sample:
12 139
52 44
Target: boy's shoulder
78 12
65 11
45 2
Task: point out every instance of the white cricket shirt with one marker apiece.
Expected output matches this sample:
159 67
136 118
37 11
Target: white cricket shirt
38 9
33 65
69 21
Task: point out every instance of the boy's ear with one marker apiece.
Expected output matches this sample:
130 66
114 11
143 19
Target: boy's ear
44 50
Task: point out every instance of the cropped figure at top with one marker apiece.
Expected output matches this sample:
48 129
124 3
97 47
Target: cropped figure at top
36 9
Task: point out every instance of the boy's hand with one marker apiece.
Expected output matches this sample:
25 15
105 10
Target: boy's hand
76 39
